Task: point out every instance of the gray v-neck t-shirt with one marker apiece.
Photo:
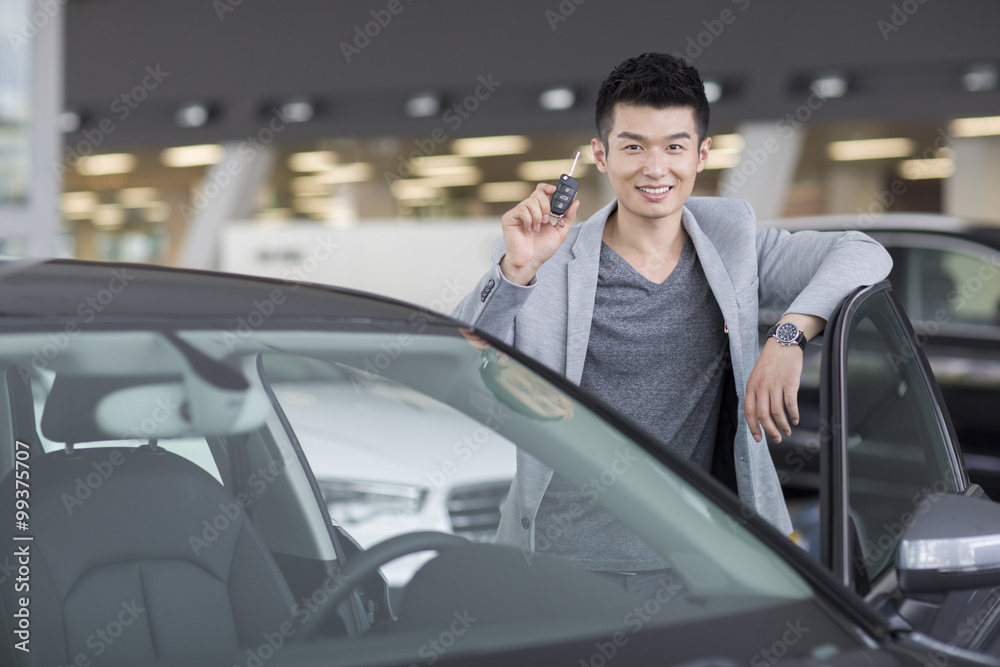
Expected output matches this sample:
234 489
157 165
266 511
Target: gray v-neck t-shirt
657 353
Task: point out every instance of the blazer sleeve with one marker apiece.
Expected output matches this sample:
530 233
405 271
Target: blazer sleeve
494 302
811 272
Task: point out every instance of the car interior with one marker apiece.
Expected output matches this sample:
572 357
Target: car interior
172 500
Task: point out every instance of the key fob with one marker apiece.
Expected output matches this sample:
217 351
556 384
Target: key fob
564 195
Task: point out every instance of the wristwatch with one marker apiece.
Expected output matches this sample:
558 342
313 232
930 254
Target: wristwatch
788 334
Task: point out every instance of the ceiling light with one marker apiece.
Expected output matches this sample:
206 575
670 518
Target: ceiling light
732 143
508 191
157 211
191 156
409 190
869 149
976 127
545 170
941 167
78 202
557 99
713 91
511 144
422 105
69 121
435 165
312 160
109 215
192 115
356 172
137 197
722 159
109 163
979 78
308 185
829 85
297 111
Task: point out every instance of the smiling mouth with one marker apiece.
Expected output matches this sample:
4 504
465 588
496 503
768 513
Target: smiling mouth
656 191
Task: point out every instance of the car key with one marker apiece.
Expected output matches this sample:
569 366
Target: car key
565 193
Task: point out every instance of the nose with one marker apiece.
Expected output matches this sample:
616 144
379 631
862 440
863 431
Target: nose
655 165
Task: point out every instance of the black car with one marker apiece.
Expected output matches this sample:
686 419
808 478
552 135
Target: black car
946 273
160 509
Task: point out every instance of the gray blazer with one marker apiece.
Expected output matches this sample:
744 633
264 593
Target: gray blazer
750 269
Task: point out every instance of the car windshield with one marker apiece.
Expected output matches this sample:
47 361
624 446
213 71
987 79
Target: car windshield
232 481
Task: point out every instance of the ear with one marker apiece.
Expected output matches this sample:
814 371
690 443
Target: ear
600 155
703 153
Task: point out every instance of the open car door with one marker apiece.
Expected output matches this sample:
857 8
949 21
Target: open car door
896 505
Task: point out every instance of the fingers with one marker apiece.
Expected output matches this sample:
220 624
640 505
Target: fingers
767 412
534 211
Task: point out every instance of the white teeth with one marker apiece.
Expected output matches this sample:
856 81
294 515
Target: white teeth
655 191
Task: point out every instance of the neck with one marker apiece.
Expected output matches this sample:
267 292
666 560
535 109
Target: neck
644 237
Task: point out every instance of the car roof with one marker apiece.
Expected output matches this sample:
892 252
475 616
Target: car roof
983 232
862 221
57 288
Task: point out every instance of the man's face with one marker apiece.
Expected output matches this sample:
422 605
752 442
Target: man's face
652 158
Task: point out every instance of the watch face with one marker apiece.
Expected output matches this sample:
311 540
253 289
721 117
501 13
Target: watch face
787 333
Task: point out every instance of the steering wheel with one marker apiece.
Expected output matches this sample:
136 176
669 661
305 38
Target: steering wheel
363 565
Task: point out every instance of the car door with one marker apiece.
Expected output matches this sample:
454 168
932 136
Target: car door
889 453
950 290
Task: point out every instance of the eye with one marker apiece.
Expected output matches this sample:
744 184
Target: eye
633 147
675 147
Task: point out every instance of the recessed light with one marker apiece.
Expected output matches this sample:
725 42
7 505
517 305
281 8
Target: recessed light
192 115
557 99
422 105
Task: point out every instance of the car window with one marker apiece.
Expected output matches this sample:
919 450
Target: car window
898 453
949 286
324 438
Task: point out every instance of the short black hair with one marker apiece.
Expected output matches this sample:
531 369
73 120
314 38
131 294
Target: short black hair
656 80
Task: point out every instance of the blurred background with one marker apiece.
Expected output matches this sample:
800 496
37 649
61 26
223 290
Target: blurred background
375 144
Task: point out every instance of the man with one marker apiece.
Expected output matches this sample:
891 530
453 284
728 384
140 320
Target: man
652 305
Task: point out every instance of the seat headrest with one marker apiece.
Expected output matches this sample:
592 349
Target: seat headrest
70 412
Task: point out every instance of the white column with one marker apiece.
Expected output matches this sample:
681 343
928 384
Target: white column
766 169
31 229
972 192
228 192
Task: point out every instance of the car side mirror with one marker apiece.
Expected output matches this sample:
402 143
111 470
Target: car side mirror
953 545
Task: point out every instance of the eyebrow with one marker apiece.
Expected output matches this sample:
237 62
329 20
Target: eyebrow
625 134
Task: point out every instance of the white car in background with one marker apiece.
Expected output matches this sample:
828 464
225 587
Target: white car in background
451 475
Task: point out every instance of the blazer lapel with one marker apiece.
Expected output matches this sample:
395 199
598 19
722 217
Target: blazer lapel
581 290
718 279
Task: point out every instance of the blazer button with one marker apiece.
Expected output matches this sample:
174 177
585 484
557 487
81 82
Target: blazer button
486 290
525 523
